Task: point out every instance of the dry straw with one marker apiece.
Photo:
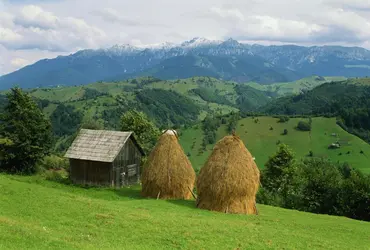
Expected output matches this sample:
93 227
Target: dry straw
168 173
229 180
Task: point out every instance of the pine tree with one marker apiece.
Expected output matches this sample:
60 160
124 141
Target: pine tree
278 169
29 131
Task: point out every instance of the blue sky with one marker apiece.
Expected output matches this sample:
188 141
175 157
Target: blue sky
32 30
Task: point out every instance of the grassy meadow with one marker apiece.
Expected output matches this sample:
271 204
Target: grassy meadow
74 95
287 88
261 141
38 214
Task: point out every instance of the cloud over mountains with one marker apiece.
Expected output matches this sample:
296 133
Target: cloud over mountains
30 30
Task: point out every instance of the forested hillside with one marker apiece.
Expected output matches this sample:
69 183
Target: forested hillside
167 103
187 101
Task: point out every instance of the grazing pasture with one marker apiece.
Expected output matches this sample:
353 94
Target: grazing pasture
38 214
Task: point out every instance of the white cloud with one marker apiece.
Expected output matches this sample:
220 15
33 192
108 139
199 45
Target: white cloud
19 62
228 13
8 35
112 15
8 62
34 16
34 28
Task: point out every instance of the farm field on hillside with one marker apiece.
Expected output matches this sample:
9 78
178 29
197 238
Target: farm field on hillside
287 88
37 214
262 142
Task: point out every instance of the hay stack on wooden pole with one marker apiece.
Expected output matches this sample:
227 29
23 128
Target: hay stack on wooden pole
229 180
168 173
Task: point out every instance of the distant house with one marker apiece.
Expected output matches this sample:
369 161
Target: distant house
104 158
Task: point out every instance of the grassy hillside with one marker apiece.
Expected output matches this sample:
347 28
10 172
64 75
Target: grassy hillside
102 100
288 88
108 92
348 100
262 142
210 94
326 98
36 214
167 103
177 101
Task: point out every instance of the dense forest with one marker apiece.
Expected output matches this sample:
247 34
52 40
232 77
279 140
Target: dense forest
167 107
250 99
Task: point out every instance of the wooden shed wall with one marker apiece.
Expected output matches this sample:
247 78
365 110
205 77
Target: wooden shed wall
129 155
90 172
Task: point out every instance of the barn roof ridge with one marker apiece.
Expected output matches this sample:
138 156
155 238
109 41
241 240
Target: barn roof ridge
98 145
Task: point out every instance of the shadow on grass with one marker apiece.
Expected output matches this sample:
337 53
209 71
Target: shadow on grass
183 203
129 192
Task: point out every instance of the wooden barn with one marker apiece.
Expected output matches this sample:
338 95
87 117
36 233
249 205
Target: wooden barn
104 158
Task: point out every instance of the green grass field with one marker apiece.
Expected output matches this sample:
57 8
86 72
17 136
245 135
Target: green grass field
262 142
287 88
37 214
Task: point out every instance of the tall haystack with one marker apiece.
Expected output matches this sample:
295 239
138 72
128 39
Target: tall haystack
229 180
168 173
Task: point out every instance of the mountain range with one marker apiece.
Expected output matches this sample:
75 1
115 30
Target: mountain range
226 60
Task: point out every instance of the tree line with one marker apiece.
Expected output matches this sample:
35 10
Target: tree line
314 185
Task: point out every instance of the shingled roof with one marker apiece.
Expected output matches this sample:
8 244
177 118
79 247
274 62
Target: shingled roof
98 145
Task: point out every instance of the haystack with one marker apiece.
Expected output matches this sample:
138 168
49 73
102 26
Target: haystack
168 173
229 180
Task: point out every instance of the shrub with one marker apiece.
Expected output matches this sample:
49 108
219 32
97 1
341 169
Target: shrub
355 196
304 126
285 132
268 198
56 176
53 162
310 154
283 119
321 190
93 124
